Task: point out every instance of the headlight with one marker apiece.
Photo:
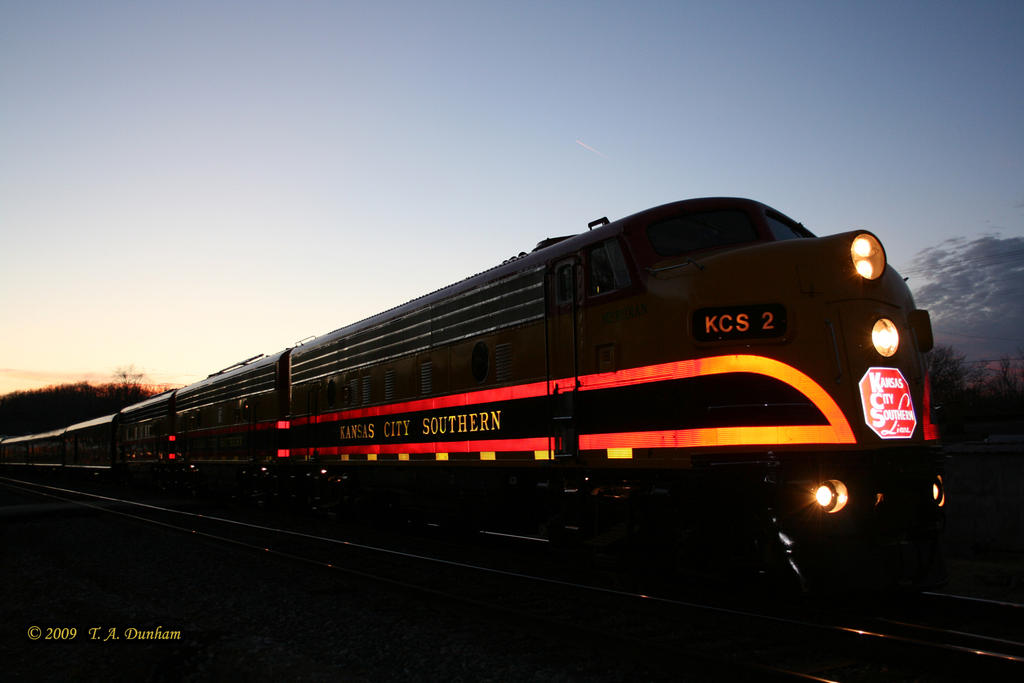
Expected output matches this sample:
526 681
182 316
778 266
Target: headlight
868 256
831 496
885 337
938 491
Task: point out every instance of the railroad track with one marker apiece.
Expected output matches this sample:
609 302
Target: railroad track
661 634
970 624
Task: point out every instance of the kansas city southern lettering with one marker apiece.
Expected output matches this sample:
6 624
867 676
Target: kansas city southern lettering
462 423
439 425
357 431
393 428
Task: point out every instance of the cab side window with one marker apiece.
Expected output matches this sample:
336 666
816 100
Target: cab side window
607 268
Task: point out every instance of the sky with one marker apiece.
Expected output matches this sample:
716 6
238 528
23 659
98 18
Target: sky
184 185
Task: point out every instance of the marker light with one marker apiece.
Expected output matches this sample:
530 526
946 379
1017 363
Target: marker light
938 491
868 256
831 496
885 337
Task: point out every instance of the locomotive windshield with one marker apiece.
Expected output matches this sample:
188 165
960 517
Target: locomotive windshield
694 231
783 228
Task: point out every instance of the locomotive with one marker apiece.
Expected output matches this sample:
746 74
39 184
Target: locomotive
699 385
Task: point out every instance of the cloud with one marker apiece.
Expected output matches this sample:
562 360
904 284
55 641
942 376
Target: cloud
586 146
973 290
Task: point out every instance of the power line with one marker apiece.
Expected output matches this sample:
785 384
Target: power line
993 360
987 259
976 336
1006 256
1003 294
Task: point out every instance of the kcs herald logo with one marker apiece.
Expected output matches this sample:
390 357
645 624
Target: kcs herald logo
888 406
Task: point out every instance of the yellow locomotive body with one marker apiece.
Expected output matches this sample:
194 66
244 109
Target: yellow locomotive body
705 378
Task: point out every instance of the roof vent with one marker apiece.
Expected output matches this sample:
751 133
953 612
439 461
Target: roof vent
603 220
548 241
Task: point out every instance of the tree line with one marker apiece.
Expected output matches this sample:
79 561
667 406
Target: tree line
965 392
40 410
